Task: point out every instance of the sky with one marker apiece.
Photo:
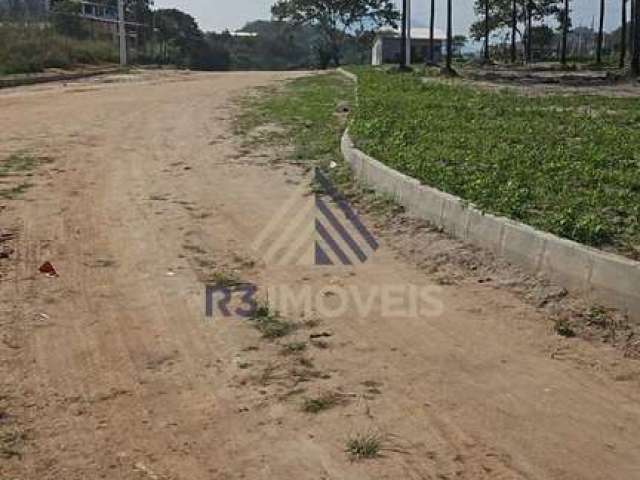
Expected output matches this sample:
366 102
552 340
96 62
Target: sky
224 14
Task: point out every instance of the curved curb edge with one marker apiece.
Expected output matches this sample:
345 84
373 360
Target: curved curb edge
605 278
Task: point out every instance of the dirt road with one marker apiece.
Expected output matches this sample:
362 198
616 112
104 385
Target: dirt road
111 370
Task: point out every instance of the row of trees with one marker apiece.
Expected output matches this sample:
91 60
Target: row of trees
518 17
338 21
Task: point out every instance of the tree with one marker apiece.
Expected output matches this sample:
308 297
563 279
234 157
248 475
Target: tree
403 36
184 44
459 42
514 30
623 34
449 69
635 42
67 21
432 24
600 34
544 38
565 31
337 18
487 30
504 14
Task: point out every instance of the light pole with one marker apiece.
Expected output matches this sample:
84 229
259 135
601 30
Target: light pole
123 34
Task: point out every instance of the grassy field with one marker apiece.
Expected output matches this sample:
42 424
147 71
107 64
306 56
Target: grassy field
32 49
569 165
305 112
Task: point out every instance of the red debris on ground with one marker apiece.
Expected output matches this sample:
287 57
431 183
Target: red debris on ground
49 269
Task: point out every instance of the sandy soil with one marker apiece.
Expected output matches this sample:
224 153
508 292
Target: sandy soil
111 369
544 79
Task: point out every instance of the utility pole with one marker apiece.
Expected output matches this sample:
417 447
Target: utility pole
123 34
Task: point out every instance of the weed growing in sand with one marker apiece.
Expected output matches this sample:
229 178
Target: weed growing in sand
324 402
364 445
269 322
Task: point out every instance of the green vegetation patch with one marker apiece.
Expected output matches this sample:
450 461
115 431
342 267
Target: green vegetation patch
364 445
14 192
569 165
19 163
304 114
31 48
270 323
323 402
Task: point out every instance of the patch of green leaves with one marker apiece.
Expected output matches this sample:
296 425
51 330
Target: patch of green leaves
14 192
18 163
270 324
569 165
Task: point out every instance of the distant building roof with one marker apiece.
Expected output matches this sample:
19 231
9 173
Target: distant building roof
418 33
243 34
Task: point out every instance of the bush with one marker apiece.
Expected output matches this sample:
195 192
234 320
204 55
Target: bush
32 48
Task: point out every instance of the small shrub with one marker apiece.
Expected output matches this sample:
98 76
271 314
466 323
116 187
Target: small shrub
563 327
324 402
269 322
31 48
364 445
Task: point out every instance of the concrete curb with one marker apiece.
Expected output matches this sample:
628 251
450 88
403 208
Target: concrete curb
35 79
606 279
349 75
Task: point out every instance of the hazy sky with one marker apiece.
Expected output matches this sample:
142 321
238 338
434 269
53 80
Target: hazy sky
221 14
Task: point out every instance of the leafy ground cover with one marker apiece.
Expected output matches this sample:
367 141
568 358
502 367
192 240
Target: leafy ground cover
569 165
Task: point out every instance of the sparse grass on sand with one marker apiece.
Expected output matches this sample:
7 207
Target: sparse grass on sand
323 402
364 445
303 114
270 323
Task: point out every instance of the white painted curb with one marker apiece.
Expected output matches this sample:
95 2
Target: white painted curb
605 278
